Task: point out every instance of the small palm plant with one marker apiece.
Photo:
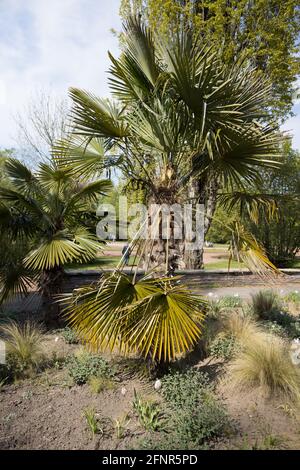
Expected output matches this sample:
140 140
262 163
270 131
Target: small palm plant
49 214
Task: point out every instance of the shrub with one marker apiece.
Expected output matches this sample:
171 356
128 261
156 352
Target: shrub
293 296
267 306
214 308
199 424
293 329
181 389
196 415
83 366
273 327
69 335
24 347
240 326
265 362
222 346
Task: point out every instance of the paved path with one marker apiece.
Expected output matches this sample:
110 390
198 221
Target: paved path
245 291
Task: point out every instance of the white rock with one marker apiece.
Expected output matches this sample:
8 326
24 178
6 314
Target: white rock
56 338
123 391
210 294
157 385
295 357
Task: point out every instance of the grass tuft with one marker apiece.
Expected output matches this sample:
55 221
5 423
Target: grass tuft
23 346
265 362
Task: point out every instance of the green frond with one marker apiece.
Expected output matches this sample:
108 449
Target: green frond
20 175
95 117
57 251
246 249
17 280
52 177
89 192
134 75
24 204
150 316
250 205
88 242
83 156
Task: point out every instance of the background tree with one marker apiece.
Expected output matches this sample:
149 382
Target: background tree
267 32
281 236
39 125
47 219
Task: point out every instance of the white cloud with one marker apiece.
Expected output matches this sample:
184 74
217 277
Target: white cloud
52 44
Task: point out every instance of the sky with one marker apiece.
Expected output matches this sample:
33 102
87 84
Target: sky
51 45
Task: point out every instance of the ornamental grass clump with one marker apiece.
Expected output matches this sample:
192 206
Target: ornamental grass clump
265 363
24 347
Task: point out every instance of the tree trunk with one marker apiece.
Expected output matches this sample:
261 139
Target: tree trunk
203 191
168 253
51 287
162 253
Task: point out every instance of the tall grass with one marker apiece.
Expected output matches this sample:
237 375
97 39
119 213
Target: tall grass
265 304
23 346
241 327
265 362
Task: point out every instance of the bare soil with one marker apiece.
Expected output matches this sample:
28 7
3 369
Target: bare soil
46 411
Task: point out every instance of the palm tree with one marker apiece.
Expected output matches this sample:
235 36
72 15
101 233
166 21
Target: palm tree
184 125
47 220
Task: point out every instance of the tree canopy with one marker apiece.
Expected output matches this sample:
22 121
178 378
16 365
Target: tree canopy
266 31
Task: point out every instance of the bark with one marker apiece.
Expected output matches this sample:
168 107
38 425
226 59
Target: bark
51 287
202 191
162 254
167 255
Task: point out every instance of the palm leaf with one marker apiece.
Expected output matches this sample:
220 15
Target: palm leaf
246 248
249 205
57 251
21 177
148 315
94 117
83 157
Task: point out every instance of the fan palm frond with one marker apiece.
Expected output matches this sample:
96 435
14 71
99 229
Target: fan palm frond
57 251
149 315
250 205
134 75
247 249
20 175
95 117
84 157
88 192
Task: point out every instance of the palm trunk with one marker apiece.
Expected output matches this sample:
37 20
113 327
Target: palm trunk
51 287
162 252
170 253
202 192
